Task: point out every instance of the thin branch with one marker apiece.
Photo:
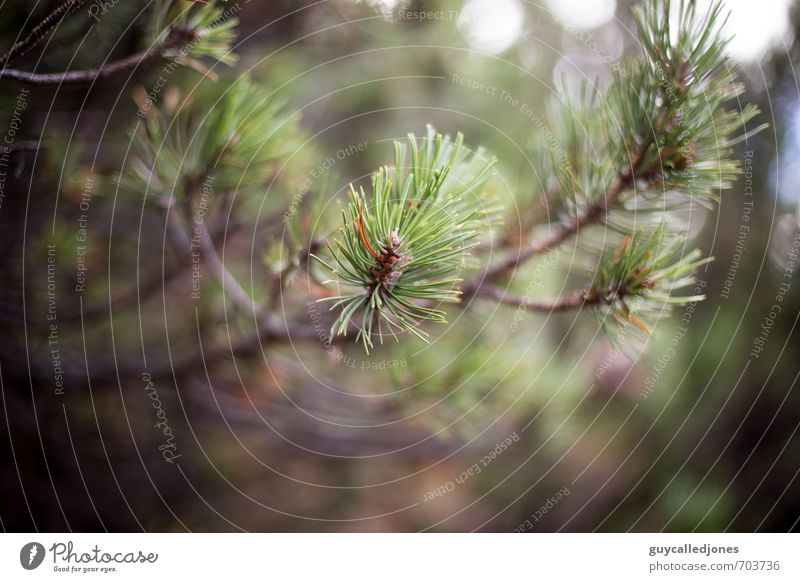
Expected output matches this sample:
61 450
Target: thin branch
226 279
25 146
593 213
37 35
269 327
543 209
176 39
577 299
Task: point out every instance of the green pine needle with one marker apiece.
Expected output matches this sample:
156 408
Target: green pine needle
213 30
666 119
399 252
641 281
233 131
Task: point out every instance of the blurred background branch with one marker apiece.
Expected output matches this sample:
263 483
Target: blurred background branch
606 179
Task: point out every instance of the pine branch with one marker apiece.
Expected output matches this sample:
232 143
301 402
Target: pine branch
643 279
176 40
636 285
673 106
237 140
197 31
39 32
591 215
269 328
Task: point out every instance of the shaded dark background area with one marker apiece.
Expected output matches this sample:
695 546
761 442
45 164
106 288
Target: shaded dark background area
695 435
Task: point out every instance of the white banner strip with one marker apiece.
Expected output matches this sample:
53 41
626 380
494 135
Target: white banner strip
400 557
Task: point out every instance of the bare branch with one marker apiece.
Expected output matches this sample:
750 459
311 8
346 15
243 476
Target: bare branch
573 300
37 35
175 39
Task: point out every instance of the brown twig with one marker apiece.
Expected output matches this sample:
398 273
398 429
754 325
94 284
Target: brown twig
573 300
177 38
226 279
269 327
